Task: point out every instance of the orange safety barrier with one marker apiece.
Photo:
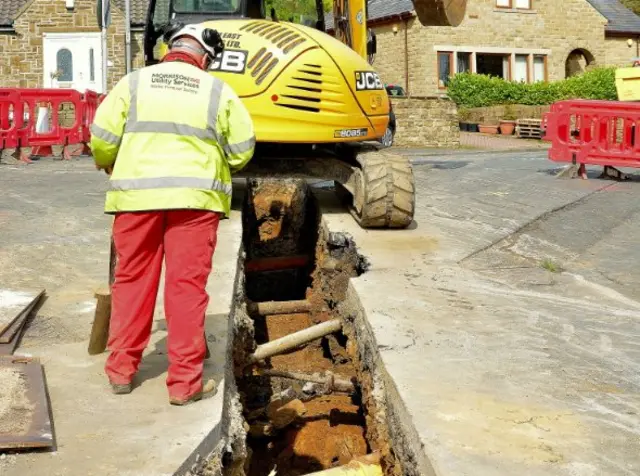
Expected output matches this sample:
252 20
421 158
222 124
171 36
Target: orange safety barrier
35 119
586 132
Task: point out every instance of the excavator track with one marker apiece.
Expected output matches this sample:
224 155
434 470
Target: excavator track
384 195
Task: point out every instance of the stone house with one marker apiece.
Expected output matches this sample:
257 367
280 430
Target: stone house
522 40
57 43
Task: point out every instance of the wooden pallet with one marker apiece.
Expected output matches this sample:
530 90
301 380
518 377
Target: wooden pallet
529 128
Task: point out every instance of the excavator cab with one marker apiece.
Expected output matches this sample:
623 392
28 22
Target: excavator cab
163 12
319 108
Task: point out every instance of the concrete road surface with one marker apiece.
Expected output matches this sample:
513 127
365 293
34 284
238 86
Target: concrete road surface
509 317
54 236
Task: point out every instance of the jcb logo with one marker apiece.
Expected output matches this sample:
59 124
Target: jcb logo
368 81
230 61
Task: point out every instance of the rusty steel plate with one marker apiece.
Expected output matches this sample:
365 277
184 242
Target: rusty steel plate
25 415
9 327
11 333
9 348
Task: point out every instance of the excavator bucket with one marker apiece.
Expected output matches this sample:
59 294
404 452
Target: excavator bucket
440 12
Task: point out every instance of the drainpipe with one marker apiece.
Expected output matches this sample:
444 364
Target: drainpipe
406 55
127 40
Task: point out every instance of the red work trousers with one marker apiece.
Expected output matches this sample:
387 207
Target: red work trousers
186 239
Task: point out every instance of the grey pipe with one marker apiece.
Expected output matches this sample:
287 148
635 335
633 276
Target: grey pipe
127 36
291 341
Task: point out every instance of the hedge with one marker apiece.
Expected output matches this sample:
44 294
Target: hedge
477 90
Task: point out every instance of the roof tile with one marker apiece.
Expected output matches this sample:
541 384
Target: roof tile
379 9
621 19
10 8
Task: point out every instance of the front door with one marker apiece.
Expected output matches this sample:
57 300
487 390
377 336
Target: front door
73 60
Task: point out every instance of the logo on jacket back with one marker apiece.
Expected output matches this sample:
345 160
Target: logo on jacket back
368 81
175 81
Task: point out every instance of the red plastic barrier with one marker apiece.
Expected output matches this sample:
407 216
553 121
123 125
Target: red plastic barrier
603 133
21 130
90 100
10 122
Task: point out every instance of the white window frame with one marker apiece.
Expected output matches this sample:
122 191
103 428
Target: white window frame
513 4
511 52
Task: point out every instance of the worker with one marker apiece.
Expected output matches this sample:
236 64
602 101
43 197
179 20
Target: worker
170 136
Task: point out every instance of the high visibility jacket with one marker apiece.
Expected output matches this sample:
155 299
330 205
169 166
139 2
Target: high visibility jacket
173 134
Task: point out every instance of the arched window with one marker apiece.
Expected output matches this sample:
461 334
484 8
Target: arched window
64 65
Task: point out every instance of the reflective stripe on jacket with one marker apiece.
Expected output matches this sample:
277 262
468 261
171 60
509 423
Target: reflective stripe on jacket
177 133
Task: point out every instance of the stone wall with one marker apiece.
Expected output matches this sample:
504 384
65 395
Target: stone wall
426 122
137 49
493 114
618 51
557 26
22 55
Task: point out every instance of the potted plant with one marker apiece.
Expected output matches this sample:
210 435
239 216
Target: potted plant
463 117
487 126
508 122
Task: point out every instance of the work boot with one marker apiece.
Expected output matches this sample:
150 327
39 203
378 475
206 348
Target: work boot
208 387
120 388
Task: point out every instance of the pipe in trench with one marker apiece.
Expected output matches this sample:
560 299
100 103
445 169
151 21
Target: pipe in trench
365 466
335 384
291 341
272 308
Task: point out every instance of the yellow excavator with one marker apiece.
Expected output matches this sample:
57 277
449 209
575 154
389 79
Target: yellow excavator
319 107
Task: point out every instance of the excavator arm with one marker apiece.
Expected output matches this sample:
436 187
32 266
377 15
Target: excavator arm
350 20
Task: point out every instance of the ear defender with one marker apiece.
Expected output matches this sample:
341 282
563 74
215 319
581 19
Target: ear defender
213 39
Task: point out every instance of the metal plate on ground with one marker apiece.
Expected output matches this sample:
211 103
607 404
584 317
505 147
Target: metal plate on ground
25 417
12 303
10 332
10 347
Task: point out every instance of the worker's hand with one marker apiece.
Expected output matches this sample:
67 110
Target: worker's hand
108 170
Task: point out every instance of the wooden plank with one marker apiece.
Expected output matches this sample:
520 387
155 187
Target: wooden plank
25 414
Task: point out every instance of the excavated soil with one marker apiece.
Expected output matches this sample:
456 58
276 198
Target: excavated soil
296 427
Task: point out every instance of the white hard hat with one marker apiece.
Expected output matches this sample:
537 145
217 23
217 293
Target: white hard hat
208 38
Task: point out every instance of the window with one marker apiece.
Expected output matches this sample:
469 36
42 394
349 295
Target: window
206 6
464 63
445 63
161 14
539 68
519 4
494 65
64 65
92 66
518 66
521 73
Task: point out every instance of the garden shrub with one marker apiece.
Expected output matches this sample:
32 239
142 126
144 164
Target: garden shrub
477 90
